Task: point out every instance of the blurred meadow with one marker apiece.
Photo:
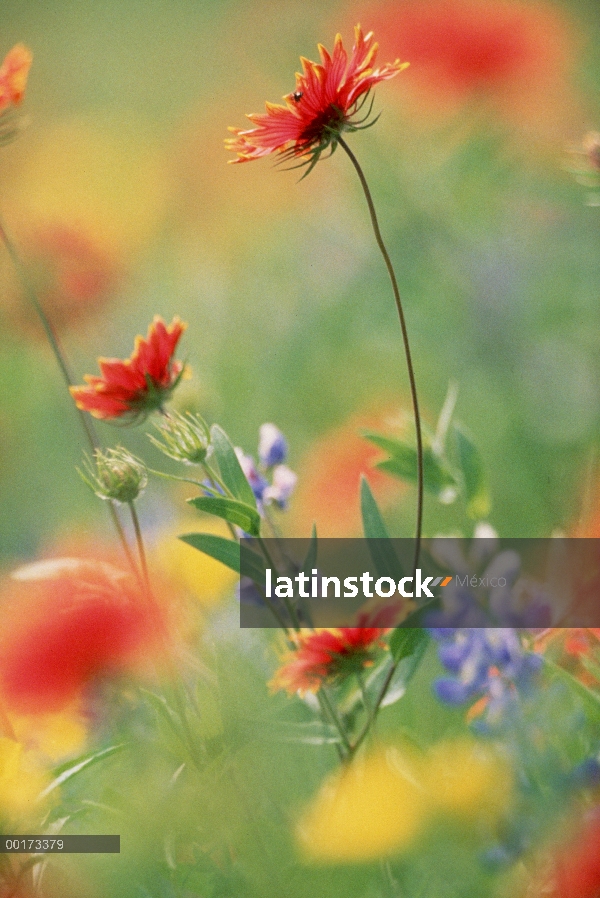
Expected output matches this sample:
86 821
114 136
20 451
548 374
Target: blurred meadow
119 198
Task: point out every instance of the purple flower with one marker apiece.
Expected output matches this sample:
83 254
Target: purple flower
272 446
282 487
252 474
487 661
271 482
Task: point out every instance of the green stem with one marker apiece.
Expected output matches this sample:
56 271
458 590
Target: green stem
187 737
164 474
140 546
407 352
325 702
61 360
288 605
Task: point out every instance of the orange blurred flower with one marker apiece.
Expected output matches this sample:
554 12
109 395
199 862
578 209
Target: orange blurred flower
139 385
327 96
66 623
13 76
329 477
322 656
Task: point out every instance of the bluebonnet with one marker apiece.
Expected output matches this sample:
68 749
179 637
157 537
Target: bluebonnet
488 661
272 446
271 481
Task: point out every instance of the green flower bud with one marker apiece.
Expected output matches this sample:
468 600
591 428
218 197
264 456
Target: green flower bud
115 474
185 438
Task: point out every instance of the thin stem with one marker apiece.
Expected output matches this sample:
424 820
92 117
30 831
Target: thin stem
409 364
325 702
63 365
140 545
288 605
198 483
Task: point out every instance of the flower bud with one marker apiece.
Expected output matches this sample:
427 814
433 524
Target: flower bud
272 446
185 438
116 475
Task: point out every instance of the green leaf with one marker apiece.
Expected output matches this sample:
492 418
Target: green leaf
473 473
406 641
382 551
230 510
311 556
227 551
230 468
253 565
164 710
311 733
437 476
72 768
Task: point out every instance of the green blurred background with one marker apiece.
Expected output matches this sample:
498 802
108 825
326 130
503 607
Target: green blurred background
120 199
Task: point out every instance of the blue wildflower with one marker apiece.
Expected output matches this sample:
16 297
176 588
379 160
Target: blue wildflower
272 446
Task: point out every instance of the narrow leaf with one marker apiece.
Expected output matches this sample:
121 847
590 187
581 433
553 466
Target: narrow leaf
473 472
311 556
437 476
230 468
381 549
66 772
252 565
405 641
230 510
224 550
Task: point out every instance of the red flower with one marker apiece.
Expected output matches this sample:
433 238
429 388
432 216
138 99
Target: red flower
324 655
13 76
460 46
66 623
140 384
327 96
576 865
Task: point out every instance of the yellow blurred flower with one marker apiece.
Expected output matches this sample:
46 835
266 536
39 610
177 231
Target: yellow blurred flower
467 778
21 781
188 569
54 736
373 808
380 804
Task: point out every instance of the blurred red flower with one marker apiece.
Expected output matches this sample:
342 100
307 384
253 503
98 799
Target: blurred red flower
513 51
74 274
327 96
66 623
136 386
321 656
575 868
13 76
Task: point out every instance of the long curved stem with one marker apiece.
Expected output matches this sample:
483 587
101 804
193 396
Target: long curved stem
61 360
409 364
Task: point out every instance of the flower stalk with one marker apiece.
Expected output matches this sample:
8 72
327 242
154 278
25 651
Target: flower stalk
405 340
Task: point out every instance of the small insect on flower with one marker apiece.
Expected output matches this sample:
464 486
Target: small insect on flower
132 388
325 103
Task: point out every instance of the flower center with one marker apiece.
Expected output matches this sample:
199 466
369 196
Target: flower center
324 126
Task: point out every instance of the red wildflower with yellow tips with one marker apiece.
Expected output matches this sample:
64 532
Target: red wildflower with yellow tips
327 98
13 76
320 656
136 386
